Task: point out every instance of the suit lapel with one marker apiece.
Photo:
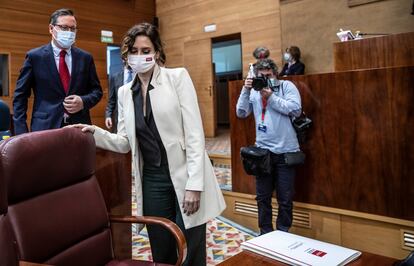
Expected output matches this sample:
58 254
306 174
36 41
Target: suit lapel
75 69
129 116
49 59
120 78
154 90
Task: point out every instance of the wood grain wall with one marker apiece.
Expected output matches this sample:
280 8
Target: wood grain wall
360 149
182 21
384 51
312 25
24 26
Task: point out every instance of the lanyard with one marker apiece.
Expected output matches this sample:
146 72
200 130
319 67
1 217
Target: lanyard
264 105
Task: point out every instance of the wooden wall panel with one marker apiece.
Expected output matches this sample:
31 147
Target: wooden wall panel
304 26
24 26
242 133
360 150
385 51
183 21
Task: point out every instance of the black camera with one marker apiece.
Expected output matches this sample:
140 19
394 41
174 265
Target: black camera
259 83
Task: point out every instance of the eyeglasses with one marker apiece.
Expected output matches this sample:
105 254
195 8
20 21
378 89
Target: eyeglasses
67 28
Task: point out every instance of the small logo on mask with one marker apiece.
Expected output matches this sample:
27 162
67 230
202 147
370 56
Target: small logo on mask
148 59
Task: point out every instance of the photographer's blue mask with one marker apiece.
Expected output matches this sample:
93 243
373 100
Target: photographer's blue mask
273 83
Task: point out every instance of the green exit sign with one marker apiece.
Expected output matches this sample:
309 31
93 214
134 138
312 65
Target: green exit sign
107 39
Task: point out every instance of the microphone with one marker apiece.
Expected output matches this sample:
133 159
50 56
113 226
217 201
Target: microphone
4 121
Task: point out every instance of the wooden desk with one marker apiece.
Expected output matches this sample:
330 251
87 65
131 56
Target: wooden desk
250 258
361 136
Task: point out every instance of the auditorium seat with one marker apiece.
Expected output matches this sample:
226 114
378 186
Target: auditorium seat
8 254
52 207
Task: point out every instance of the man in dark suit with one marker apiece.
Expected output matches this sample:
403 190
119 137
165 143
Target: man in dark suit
115 82
63 78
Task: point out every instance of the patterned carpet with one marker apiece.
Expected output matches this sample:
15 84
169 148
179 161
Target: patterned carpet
220 144
223 174
223 241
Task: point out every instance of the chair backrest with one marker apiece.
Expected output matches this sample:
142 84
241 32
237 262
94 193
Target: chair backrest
55 206
8 255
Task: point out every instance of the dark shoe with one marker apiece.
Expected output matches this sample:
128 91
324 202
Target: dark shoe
408 261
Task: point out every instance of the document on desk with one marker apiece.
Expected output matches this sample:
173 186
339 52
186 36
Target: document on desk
298 250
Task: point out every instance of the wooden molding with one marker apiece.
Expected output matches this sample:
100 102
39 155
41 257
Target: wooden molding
352 3
365 232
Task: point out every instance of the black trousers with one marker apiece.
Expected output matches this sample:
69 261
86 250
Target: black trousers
160 200
282 179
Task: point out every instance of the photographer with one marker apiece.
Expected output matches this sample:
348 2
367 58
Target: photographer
273 103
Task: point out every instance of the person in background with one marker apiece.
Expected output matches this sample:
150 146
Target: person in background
63 78
115 82
272 108
293 65
159 121
4 121
261 52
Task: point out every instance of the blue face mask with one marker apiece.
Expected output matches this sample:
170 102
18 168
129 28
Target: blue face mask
65 38
273 83
287 56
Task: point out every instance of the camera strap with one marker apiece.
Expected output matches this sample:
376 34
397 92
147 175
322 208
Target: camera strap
264 105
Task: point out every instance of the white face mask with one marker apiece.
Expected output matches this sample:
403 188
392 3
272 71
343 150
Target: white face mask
141 63
286 56
65 38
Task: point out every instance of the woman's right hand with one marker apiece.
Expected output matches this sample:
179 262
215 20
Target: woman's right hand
108 122
248 83
84 127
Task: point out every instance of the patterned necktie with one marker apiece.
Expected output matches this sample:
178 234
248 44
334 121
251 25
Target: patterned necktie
64 71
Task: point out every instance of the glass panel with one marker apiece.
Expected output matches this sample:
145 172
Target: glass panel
227 56
114 61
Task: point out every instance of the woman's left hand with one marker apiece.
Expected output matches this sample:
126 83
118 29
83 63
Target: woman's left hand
191 202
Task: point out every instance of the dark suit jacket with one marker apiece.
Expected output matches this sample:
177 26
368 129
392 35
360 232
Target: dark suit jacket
39 72
298 68
115 82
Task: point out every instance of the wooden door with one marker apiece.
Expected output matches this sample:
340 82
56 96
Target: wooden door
198 62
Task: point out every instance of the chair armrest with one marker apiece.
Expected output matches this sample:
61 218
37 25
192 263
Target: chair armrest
169 225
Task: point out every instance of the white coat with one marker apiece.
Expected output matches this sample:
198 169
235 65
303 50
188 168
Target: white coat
177 116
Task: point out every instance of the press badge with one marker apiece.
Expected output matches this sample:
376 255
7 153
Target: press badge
262 127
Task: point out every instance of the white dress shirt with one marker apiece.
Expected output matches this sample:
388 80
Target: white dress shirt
68 57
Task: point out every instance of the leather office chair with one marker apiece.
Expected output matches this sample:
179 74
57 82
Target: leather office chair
7 252
55 209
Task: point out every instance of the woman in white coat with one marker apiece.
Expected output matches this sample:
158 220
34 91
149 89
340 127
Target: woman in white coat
159 121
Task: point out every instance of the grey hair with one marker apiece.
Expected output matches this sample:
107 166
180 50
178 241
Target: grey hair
265 64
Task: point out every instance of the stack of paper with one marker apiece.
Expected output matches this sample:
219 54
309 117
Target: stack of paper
298 250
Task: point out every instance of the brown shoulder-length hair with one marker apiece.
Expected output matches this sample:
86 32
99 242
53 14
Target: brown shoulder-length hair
294 52
143 29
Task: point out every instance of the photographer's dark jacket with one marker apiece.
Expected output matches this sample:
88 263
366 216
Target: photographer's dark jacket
280 136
